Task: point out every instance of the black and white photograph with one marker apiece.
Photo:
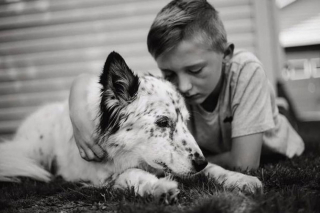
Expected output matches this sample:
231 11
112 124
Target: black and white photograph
168 106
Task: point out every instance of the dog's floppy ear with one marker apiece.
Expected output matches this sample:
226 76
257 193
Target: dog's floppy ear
119 88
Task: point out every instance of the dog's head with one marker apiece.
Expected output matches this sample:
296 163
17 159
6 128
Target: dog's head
143 120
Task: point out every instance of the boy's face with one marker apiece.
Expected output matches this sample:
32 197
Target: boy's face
193 68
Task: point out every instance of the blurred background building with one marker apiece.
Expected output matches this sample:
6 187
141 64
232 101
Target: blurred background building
44 44
300 38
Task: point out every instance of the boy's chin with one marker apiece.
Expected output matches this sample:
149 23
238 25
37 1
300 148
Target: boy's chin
194 101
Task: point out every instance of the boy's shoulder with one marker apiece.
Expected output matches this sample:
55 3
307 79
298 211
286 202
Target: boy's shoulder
244 64
242 57
244 69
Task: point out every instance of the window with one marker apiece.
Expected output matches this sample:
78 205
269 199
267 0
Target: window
315 67
297 69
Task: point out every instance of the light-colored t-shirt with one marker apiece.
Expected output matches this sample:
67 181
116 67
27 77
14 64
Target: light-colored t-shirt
246 106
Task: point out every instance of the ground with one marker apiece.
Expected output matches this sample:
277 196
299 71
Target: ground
289 186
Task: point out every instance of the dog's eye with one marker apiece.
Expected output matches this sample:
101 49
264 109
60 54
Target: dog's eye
163 121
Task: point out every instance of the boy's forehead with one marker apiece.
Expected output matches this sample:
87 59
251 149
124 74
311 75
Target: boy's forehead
185 54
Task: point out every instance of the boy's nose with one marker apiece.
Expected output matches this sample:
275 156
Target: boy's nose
184 85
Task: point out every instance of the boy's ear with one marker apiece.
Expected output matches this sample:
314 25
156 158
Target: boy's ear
118 80
228 53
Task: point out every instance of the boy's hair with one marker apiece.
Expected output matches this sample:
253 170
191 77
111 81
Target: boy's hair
184 19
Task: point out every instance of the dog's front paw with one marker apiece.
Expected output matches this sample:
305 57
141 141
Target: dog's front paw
244 183
166 191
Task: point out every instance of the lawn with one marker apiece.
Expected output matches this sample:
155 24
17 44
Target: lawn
289 186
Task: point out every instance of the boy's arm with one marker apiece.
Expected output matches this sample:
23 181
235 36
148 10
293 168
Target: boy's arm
252 113
83 128
245 153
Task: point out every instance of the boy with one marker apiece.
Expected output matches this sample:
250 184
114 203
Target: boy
231 103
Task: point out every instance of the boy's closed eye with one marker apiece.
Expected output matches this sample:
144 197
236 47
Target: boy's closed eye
195 70
168 74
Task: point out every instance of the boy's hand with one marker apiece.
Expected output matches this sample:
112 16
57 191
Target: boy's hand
85 141
83 127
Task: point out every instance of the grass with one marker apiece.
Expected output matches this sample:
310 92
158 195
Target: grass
289 186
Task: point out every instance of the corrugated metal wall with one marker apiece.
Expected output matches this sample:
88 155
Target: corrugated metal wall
44 44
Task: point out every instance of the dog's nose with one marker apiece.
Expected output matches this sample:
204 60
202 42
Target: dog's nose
199 164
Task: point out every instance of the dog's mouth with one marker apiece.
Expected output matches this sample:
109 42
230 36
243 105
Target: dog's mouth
164 166
159 168
159 172
167 170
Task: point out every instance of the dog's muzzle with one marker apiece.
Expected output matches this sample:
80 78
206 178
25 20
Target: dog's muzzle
199 164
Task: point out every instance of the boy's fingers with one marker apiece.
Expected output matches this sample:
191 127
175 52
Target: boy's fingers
82 154
91 152
81 151
90 155
85 152
98 151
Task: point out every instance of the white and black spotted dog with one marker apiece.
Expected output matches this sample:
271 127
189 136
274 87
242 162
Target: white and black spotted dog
140 122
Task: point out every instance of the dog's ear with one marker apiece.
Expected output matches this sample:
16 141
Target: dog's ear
119 88
118 78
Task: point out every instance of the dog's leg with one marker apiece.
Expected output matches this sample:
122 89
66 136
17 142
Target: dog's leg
232 179
145 183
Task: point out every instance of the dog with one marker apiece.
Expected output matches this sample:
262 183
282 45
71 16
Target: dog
141 121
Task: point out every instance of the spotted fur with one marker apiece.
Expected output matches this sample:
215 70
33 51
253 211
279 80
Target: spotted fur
140 122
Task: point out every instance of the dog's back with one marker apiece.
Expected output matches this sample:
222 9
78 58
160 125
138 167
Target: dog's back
41 129
33 147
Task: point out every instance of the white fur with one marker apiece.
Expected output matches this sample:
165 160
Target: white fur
45 139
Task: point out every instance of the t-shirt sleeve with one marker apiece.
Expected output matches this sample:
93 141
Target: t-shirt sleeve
251 102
